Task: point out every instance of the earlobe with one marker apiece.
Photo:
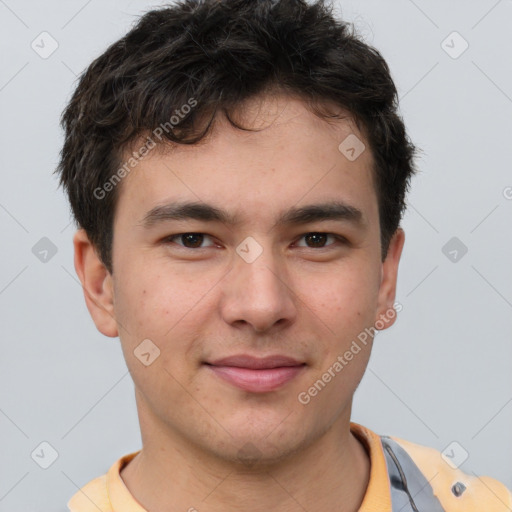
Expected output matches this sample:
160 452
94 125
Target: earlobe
96 283
386 314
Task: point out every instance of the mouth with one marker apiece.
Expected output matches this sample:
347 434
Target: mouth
256 375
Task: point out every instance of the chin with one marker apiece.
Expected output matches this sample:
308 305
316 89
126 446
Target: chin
261 446
258 455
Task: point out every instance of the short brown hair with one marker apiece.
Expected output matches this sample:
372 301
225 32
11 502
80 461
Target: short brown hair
220 53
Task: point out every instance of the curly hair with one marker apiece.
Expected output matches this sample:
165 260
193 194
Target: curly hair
211 56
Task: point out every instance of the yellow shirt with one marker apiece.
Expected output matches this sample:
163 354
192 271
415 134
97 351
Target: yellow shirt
108 492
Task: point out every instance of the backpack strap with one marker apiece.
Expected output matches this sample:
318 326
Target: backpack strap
410 490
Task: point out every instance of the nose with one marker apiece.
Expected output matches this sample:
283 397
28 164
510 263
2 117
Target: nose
259 293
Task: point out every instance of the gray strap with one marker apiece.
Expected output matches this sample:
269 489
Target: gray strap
410 490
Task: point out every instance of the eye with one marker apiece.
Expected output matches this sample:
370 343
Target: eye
318 240
190 240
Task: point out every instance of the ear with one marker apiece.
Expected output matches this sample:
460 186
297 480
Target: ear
387 290
96 283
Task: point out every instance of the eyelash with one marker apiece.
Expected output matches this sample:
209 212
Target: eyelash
338 238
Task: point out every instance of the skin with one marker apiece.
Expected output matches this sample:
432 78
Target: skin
196 304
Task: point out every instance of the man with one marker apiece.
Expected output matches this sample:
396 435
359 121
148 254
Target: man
238 172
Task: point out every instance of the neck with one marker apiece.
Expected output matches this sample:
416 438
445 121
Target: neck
332 473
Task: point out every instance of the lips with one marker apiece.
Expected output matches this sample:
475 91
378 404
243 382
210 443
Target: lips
256 363
256 375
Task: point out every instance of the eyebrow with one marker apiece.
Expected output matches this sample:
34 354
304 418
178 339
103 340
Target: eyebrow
333 210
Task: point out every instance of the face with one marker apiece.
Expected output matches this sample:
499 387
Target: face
253 270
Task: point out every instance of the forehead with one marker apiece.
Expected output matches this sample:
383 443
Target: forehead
291 155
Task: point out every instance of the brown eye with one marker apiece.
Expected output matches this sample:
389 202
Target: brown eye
188 240
318 240
192 240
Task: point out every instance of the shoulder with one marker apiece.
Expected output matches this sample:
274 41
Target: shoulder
91 497
454 489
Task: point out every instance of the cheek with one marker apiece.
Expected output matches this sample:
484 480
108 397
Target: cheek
345 297
153 343
151 304
343 316
341 305
164 311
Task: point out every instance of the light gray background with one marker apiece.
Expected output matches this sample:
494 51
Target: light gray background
442 373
